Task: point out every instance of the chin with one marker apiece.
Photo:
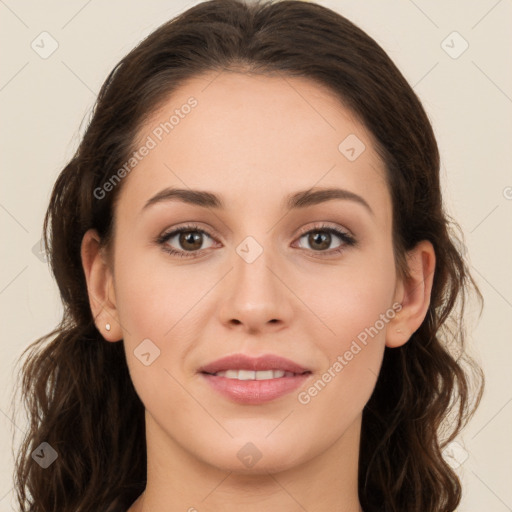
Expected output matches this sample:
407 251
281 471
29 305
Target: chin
257 457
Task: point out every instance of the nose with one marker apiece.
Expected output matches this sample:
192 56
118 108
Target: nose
255 297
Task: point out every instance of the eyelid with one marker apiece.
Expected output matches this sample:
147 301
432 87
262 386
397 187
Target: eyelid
324 225
191 226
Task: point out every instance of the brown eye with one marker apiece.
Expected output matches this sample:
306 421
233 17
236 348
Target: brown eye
185 241
320 239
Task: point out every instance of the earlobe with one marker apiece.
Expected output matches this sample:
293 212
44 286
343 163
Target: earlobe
414 294
100 288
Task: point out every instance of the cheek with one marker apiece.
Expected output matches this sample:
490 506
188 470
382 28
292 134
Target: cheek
354 297
353 357
356 311
161 303
152 295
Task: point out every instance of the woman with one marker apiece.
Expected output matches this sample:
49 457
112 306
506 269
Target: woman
259 282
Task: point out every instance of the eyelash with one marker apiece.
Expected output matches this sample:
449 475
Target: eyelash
348 240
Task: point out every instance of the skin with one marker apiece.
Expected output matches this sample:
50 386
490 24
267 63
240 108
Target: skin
253 140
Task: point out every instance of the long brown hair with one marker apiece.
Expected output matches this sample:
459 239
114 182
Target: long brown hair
76 387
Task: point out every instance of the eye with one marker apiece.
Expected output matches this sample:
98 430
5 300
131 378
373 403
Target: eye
189 239
320 238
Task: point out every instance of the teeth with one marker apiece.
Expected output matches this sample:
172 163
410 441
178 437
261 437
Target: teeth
253 375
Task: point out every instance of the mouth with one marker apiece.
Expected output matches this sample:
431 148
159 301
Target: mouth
255 375
254 380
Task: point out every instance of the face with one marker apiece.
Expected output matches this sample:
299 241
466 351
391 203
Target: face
264 273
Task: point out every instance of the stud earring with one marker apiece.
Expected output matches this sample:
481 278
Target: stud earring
107 327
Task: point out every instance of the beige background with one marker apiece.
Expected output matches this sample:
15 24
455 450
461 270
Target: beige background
469 101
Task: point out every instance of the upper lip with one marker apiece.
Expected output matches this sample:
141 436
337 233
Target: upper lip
244 362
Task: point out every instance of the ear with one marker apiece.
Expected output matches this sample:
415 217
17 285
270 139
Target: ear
99 277
414 294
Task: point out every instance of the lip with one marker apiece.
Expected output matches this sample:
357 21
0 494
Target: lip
254 392
244 362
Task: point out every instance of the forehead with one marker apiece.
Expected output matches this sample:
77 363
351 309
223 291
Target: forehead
254 138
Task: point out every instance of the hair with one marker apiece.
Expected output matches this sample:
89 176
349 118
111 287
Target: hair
76 387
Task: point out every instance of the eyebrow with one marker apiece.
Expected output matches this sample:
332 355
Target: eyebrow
301 199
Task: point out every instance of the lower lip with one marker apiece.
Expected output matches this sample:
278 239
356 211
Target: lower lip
254 392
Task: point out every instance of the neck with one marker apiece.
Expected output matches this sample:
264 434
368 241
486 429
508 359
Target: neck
179 480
